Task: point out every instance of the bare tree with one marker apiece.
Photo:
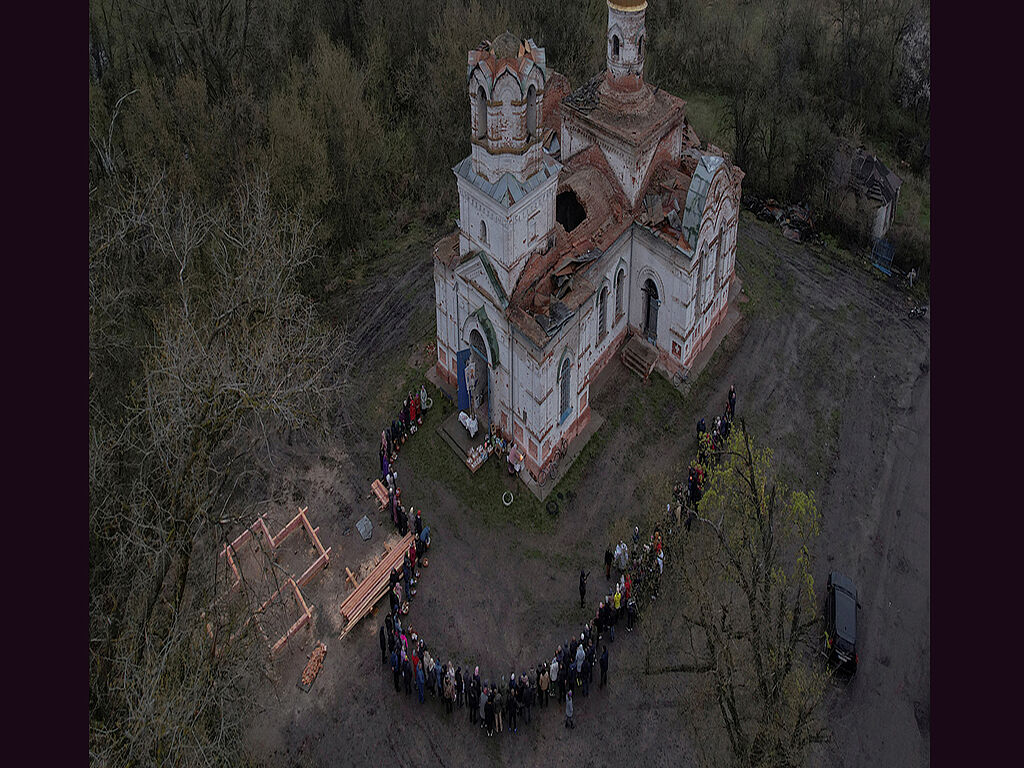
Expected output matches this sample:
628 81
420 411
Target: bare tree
236 355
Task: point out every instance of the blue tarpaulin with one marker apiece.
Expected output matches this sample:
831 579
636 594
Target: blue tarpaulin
882 254
461 358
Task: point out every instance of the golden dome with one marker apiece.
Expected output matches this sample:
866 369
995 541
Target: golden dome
627 5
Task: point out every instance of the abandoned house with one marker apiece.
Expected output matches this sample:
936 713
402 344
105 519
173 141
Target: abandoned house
868 191
586 217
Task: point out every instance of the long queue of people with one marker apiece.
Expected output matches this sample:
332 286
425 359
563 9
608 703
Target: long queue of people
405 424
709 447
503 705
506 703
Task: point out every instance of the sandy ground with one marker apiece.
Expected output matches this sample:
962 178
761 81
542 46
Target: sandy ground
830 372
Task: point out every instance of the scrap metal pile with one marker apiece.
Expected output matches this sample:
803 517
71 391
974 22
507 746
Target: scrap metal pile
795 220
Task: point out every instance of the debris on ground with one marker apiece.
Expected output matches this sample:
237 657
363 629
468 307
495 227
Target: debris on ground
315 664
795 220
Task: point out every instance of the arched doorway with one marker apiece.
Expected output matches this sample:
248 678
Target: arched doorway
651 304
478 390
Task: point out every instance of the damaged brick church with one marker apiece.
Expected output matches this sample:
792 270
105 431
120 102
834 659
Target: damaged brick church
586 218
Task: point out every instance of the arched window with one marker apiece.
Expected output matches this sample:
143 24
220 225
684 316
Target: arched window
701 291
564 376
602 314
615 47
531 111
640 48
483 231
718 258
481 113
619 280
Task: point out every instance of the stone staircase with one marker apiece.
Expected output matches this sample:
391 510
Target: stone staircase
639 356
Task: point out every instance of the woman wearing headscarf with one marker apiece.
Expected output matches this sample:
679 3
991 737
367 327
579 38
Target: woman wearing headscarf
449 689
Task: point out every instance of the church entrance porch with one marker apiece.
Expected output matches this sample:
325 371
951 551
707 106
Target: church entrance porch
478 374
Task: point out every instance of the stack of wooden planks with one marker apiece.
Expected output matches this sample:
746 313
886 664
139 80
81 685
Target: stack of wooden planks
374 586
381 493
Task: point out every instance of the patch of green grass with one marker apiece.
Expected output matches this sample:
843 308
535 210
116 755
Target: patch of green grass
480 491
769 289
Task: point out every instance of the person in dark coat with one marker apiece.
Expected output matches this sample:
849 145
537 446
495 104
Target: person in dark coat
460 692
394 601
473 696
732 400
407 676
396 670
407 577
512 707
383 644
489 714
604 667
583 585
607 564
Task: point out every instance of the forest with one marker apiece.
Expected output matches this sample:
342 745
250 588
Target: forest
246 157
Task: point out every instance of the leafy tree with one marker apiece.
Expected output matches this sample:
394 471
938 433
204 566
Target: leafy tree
751 611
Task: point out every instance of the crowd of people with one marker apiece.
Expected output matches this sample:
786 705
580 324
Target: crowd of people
507 703
392 438
709 448
406 422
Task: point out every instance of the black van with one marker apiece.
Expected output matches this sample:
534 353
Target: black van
841 624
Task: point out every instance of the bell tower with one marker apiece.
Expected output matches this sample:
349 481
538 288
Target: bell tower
507 184
506 95
627 42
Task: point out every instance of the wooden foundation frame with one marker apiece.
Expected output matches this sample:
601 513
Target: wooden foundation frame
259 527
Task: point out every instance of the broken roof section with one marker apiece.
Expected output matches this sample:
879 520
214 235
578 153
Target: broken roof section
506 52
865 174
587 97
507 190
873 178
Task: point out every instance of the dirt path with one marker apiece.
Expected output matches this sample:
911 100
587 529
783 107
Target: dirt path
830 373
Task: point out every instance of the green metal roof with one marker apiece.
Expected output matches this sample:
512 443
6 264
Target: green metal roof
697 195
498 290
492 337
